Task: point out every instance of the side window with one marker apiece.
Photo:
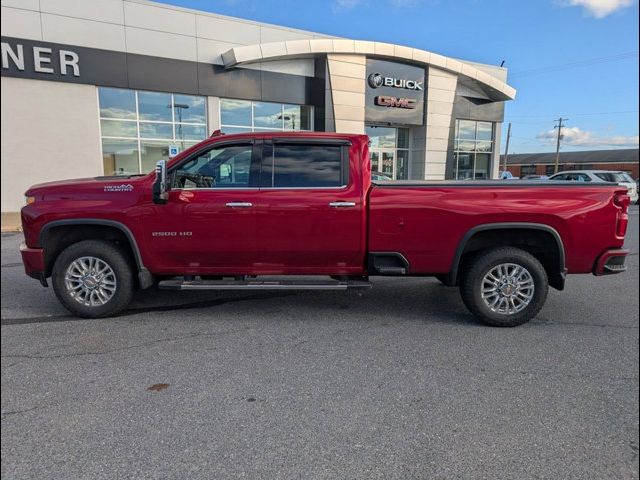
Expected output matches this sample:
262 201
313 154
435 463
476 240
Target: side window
303 166
610 177
581 177
559 177
227 166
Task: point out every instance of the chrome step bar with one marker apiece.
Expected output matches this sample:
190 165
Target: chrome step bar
179 284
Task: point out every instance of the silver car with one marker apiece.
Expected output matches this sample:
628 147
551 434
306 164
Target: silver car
601 176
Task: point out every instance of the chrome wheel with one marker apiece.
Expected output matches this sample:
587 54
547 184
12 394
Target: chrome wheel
507 288
90 281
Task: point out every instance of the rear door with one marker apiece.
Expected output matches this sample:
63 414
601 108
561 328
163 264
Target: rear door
311 215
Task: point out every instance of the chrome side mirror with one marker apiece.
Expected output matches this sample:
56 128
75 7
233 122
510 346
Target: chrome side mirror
160 187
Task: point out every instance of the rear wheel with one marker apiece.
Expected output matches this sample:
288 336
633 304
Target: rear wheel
504 287
93 278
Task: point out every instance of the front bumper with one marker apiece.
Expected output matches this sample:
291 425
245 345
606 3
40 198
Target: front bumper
610 262
34 264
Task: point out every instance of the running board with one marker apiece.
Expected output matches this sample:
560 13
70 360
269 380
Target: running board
260 285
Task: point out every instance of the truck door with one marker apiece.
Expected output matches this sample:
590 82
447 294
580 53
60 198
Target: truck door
311 215
209 221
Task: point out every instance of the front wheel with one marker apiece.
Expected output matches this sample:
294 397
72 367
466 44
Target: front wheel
504 287
93 278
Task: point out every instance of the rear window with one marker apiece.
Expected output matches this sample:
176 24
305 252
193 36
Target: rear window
611 177
303 166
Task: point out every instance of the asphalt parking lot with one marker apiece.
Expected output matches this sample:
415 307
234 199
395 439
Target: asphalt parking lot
396 382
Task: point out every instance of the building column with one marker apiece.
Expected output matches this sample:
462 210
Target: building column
213 114
495 158
345 102
441 92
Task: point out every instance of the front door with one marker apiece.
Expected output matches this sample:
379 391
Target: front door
208 224
311 217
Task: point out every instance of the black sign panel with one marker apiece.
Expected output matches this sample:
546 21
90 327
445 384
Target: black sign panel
394 93
69 63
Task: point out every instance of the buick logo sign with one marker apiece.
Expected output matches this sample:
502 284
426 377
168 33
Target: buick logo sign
377 80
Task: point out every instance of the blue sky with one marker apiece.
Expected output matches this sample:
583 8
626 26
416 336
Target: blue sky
569 58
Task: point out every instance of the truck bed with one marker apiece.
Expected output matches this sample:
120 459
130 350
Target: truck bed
426 221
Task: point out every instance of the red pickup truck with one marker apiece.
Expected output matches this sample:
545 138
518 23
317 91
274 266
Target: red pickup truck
236 208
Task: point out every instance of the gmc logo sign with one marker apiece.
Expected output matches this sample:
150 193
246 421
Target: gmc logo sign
395 102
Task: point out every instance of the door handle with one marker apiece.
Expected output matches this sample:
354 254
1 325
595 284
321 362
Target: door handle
239 204
342 204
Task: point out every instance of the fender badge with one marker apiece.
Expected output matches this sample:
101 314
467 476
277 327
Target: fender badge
124 187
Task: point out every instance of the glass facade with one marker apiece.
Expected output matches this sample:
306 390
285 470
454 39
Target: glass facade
389 151
246 116
473 149
137 127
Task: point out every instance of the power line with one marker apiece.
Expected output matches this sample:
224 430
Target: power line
579 63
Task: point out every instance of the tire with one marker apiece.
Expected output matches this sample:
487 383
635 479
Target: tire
102 295
516 298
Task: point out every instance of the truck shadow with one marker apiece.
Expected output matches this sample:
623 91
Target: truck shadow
390 300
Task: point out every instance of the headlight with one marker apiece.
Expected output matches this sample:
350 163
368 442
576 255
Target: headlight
29 200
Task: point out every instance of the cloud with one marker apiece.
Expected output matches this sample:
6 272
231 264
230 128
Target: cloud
598 8
404 3
574 136
343 5
338 6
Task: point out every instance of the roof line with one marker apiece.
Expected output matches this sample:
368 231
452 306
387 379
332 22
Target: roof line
243 55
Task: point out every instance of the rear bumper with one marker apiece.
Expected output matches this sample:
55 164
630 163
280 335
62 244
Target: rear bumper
610 262
34 265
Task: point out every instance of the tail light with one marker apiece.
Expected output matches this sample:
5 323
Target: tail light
622 201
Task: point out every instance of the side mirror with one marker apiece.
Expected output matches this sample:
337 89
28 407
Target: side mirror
160 187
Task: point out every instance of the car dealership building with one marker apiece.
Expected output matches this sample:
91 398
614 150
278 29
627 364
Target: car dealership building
111 86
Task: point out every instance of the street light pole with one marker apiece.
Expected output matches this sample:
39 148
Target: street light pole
179 107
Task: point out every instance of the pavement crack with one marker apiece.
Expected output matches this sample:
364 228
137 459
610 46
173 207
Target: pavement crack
129 347
137 311
19 412
545 321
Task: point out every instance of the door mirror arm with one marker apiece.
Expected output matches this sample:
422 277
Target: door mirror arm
160 186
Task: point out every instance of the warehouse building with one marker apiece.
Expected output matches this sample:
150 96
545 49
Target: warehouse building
621 160
112 86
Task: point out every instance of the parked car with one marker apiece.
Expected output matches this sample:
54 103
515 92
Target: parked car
235 207
375 176
600 176
507 175
535 177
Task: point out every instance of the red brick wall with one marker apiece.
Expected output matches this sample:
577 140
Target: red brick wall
632 168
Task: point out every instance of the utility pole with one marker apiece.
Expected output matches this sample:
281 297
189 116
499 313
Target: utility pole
559 127
506 148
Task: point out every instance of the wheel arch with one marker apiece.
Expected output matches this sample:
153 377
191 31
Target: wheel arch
57 243
555 265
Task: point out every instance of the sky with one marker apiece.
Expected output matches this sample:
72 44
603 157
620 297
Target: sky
575 59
